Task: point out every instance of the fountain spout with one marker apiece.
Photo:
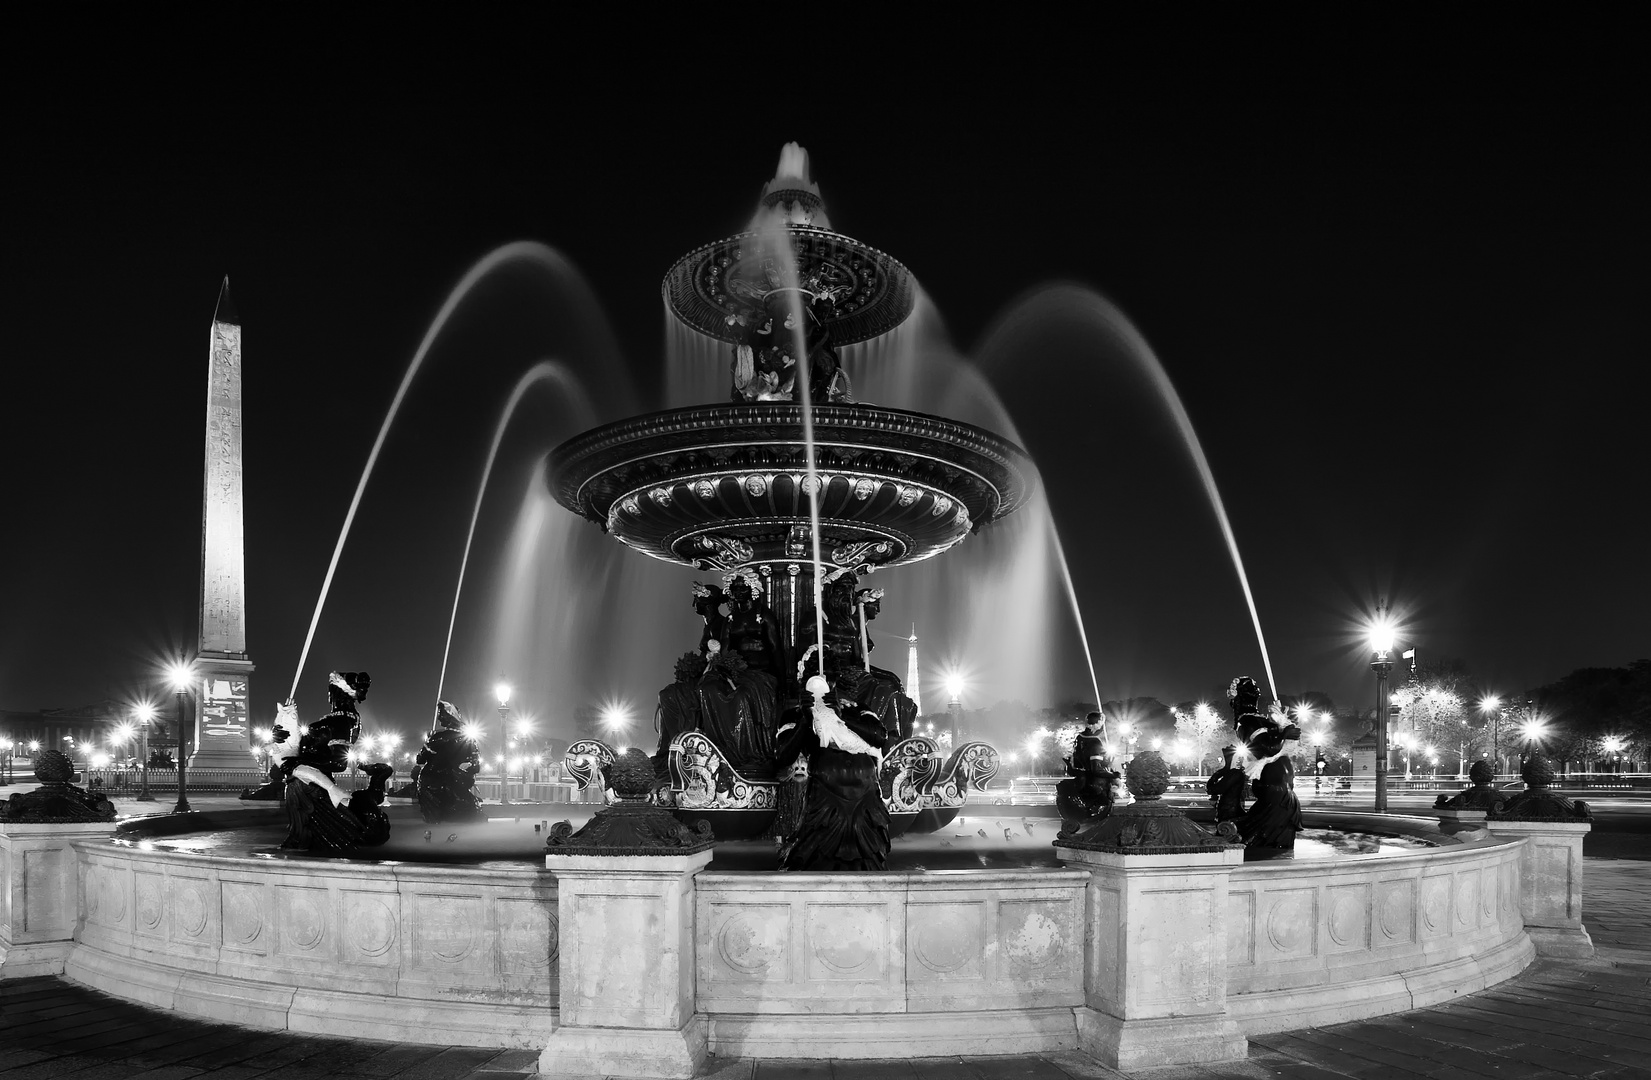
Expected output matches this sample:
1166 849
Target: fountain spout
791 198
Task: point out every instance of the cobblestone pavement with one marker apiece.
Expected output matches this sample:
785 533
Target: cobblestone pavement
1558 1019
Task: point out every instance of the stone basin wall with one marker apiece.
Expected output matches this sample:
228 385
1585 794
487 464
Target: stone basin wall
801 965
889 965
1320 942
423 953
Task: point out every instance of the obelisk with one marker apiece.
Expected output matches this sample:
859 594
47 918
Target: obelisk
222 729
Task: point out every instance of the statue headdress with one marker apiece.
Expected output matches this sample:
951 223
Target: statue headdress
447 716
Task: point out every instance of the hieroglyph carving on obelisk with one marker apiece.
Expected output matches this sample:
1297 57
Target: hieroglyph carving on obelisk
223 716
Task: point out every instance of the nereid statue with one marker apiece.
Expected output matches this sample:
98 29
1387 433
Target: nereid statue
845 825
1228 787
1086 795
1269 826
320 814
447 765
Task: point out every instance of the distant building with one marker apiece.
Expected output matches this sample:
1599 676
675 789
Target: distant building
1364 756
86 725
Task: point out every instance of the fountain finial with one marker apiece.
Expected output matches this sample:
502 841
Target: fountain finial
793 163
792 197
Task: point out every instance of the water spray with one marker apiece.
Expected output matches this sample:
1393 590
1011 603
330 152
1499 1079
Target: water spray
519 251
542 371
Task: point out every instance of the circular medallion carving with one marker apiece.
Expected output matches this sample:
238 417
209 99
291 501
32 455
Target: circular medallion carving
94 890
149 901
1346 918
189 908
243 916
1287 926
447 929
371 926
113 887
305 923
743 948
1393 914
1466 899
942 950
1433 904
846 947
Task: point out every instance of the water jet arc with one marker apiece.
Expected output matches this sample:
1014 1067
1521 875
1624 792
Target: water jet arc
1062 300
518 251
544 370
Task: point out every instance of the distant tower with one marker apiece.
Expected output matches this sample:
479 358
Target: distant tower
221 718
911 672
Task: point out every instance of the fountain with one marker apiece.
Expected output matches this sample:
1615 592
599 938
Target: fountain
635 945
794 492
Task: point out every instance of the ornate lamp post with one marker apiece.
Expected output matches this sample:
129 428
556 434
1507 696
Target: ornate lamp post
1491 706
182 676
1613 745
502 692
1381 646
954 706
146 713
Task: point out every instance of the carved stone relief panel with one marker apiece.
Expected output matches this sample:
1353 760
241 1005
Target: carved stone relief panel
1291 924
244 917
1349 924
1435 905
304 916
1395 922
846 941
947 940
371 920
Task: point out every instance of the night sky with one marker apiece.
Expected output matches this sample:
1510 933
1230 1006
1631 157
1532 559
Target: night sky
1397 274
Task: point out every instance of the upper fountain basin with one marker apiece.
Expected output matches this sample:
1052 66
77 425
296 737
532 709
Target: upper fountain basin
710 288
726 485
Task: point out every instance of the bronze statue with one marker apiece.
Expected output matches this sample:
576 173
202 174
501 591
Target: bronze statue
750 629
737 710
1269 826
845 825
708 604
678 710
1086 795
1228 788
446 769
320 814
765 356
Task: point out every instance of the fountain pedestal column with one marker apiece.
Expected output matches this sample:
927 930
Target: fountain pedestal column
1155 968
1550 886
40 902
1550 865
39 894
1156 971
626 967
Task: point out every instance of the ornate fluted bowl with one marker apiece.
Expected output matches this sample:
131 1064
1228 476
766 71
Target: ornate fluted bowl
708 286
726 485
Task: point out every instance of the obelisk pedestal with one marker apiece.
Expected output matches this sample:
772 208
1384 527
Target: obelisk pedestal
222 667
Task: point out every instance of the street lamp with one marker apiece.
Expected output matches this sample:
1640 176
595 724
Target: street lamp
502 692
182 676
1491 705
954 702
1614 745
1381 647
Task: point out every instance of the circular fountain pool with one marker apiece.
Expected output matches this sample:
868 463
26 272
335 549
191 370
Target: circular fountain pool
970 842
456 938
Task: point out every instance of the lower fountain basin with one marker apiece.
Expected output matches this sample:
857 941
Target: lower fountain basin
971 942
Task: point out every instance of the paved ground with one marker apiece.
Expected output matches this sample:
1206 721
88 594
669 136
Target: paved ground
1558 1019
